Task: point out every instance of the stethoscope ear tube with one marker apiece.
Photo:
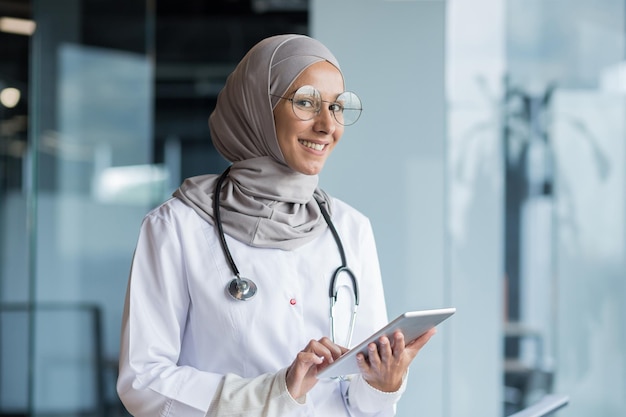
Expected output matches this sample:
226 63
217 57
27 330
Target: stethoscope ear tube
332 289
333 301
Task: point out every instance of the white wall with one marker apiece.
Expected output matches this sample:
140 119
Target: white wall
392 166
475 65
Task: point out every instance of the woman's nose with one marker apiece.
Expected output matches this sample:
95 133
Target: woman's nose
325 121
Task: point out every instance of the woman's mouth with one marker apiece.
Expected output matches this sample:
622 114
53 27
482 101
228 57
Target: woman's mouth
314 146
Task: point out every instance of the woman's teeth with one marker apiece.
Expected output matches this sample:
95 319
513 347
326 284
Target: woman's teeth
316 146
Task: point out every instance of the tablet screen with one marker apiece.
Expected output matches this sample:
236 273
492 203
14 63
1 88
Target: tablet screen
412 324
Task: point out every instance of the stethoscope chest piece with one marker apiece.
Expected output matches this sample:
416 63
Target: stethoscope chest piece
241 289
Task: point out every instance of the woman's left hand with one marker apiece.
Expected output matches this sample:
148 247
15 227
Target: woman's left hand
388 361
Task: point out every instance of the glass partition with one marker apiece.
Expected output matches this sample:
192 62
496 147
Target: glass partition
14 202
94 182
537 100
565 116
107 125
71 205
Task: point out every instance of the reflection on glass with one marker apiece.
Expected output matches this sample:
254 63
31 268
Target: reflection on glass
561 121
565 202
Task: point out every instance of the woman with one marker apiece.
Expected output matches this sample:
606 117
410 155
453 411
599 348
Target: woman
196 342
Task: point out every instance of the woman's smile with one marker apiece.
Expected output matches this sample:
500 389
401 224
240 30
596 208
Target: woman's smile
312 145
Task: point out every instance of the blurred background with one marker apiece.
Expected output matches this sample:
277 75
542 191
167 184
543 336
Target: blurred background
490 158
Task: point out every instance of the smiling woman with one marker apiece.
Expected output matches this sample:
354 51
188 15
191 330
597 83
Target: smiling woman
202 338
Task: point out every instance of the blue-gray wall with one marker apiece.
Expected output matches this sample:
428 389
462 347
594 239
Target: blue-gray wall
392 165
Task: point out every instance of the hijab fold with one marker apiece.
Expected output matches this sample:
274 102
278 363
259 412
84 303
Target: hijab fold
263 202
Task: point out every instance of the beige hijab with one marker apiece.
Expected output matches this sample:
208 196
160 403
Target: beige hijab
263 202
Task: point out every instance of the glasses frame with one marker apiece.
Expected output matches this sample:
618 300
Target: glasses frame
317 112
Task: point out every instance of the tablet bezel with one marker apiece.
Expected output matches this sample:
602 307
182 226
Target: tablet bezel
412 323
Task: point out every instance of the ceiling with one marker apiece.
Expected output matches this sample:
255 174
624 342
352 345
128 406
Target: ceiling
14 48
187 36
194 43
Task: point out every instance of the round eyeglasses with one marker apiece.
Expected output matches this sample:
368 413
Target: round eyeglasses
307 102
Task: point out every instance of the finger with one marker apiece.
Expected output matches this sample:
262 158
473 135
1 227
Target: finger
335 350
304 360
362 363
398 343
316 348
384 349
325 348
372 356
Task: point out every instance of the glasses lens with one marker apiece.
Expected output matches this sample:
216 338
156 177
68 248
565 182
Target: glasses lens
306 102
351 108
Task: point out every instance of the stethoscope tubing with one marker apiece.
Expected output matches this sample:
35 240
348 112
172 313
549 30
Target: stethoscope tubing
218 222
243 289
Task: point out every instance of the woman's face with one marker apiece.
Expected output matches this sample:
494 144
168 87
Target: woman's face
306 144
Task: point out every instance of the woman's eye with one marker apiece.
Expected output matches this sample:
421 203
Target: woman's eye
305 103
336 107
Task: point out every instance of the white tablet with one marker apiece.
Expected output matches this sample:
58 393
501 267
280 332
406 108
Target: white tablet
412 324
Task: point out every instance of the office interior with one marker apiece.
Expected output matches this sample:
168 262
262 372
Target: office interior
489 157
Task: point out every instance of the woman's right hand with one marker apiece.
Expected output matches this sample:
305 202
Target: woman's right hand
302 373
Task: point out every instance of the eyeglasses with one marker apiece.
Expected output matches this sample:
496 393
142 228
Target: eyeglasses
307 103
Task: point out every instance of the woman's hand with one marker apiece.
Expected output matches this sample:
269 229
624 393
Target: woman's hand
302 374
386 365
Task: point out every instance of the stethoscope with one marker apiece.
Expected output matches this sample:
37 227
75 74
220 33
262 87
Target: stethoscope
243 289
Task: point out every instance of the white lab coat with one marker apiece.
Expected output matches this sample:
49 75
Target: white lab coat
182 333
